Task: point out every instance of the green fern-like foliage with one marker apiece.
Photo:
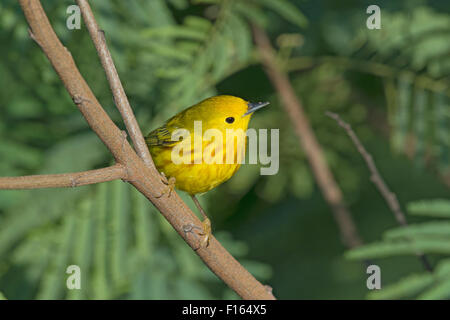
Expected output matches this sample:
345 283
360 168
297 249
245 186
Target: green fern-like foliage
416 49
431 237
202 51
410 55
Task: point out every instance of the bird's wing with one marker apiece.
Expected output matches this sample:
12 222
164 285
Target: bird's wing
160 137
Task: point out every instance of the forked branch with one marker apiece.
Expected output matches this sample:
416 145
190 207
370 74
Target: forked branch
120 98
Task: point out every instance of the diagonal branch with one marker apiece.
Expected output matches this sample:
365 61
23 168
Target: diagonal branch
388 195
75 179
378 181
324 177
120 98
144 178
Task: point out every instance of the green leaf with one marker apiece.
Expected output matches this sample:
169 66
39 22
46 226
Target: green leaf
439 208
439 291
388 249
434 229
406 287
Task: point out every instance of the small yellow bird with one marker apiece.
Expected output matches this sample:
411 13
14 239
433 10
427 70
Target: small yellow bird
194 177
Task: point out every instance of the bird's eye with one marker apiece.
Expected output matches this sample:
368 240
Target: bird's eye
229 120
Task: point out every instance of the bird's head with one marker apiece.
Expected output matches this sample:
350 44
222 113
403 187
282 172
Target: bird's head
226 112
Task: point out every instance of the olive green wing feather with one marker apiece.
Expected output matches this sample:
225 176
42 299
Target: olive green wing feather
161 136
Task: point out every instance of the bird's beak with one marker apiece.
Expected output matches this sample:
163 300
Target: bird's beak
253 106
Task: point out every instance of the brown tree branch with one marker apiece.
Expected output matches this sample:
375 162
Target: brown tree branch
292 105
75 179
146 179
120 98
378 181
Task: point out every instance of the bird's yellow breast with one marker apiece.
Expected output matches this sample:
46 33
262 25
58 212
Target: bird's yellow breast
193 177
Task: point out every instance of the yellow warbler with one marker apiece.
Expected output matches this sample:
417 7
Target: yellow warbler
193 173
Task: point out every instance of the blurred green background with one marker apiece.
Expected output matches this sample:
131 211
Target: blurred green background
391 84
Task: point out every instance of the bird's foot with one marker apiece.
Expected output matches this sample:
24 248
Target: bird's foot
170 185
204 232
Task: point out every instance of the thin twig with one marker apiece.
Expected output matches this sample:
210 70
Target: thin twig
144 178
390 197
120 98
74 179
292 105
378 181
